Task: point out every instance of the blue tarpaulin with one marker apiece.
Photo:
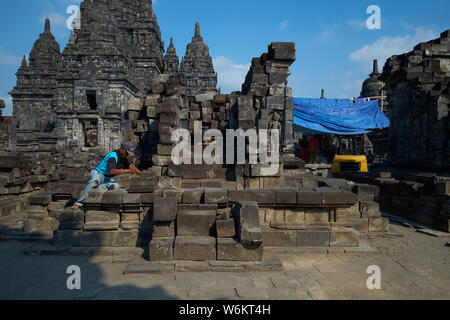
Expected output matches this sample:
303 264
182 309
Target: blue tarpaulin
341 117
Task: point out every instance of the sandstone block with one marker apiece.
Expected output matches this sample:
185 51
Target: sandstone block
231 250
195 248
165 210
196 223
161 249
226 228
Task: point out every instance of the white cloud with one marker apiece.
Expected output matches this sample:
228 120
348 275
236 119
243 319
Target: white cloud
9 59
231 76
8 109
385 47
361 24
284 24
56 19
381 49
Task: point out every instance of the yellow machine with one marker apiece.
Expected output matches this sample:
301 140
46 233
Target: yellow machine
350 164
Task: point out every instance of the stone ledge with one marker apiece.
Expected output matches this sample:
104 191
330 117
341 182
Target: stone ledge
141 266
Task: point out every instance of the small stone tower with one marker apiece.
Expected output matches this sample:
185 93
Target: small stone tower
198 66
171 60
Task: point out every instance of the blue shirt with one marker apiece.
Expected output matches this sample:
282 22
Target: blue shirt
103 166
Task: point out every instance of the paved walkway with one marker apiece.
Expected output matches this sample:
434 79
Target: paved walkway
415 266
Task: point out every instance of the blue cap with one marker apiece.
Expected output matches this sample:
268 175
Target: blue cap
129 147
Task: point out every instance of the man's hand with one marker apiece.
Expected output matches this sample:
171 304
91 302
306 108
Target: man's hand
134 169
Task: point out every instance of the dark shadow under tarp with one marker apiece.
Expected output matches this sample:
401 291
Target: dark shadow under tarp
340 117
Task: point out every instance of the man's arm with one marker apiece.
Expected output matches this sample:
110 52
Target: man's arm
114 171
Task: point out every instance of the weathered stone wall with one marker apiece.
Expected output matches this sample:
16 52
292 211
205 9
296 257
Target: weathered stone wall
271 105
418 85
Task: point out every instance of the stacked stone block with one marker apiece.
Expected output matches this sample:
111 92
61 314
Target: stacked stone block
417 197
417 86
271 98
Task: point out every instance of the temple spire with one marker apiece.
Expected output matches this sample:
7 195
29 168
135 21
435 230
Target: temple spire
171 60
197 36
47 26
24 61
197 29
375 71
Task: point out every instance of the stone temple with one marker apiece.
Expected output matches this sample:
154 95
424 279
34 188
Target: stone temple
114 81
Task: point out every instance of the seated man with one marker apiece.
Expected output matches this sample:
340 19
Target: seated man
114 164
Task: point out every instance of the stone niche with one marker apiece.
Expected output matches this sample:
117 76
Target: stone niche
90 130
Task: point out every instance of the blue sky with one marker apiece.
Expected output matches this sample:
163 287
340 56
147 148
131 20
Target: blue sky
334 46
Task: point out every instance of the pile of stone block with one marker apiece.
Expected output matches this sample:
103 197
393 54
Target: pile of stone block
38 217
17 180
205 233
417 86
270 104
421 197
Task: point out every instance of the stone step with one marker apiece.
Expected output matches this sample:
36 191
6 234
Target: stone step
141 266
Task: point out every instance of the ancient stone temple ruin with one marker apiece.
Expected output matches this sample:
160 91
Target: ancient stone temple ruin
417 85
114 82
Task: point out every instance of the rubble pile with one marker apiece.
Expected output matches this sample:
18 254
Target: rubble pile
421 197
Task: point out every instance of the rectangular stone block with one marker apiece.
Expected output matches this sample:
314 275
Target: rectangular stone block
342 215
193 195
366 192
313 239
286 197
165 210
283 51
246 215
161 249
205 97
226 228
370 209
309 198
39 225
125 238
163 229
131 199
336 197
216 196
231 250
42 198
174 193
313 215
294 216
142 186
113 197
130 225
196 223
66 238
95 239
378 225
56 206
195 248
344 238
101 220
360 224
71 219
148 199
264 197
284 238
272 183
240 195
